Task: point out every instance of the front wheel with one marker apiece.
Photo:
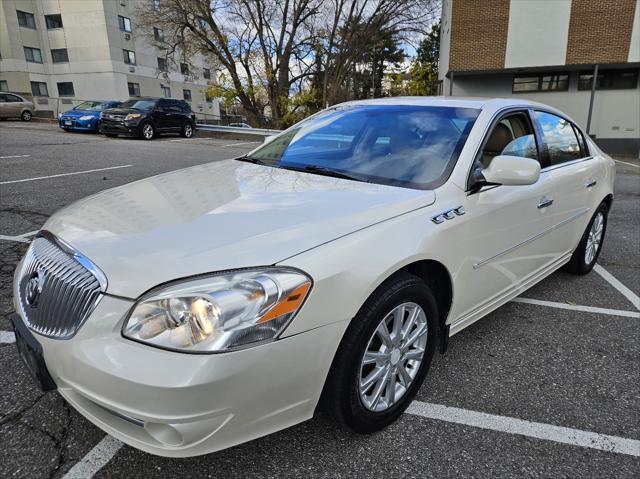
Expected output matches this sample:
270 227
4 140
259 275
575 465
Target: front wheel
384 356
586 254
147 132
26 115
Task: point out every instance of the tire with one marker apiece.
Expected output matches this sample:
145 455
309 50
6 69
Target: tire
111 135
26 115
147 131
585 256
187 130
343 396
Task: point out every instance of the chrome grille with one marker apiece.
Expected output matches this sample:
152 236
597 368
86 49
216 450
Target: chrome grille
58 288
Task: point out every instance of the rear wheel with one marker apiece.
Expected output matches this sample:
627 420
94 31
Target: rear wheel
187 130
26 115
147 131
586 254
384 356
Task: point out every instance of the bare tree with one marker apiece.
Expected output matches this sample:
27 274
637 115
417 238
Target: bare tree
268 49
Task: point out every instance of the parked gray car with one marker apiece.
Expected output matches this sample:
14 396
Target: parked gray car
15 106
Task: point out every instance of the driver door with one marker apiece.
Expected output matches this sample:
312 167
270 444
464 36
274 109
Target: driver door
506 236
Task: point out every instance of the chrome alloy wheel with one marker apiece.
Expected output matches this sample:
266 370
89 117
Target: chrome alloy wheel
188 130
147 131
393 356
594 239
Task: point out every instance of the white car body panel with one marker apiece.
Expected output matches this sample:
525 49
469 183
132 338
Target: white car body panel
166 227
348 236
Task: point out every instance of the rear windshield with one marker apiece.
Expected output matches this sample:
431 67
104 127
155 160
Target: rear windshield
139 104
401 145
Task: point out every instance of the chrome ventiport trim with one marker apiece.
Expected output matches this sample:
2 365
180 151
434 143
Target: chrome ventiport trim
533 238
448 214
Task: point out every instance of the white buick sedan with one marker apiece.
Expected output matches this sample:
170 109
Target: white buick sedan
206 307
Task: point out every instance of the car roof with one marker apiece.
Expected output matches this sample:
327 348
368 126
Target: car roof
449 101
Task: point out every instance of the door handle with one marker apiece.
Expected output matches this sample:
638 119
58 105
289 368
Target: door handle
544 202
591 183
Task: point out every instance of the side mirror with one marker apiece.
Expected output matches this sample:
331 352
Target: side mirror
511 171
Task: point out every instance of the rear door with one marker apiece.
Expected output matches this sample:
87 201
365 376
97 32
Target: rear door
573 174
162 115
4 106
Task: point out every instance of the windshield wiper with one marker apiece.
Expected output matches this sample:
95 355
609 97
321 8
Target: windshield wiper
249 159
325 171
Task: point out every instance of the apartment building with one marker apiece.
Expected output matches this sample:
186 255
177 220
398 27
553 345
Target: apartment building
550 51
61 52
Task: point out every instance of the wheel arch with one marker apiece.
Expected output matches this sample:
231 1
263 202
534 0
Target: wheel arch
437 277
608 200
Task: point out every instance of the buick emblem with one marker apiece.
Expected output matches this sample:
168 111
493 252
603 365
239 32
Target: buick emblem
34 288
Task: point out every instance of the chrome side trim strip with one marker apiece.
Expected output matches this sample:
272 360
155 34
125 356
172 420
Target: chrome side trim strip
568 163
533 238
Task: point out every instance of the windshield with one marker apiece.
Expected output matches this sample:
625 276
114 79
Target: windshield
92 106
402 145
138 104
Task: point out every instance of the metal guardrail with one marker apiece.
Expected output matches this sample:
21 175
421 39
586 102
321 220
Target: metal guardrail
236 129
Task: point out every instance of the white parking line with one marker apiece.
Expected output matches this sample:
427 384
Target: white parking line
241 143
626 163
7 337
18 239
14 156
577 307
626 292
30 233
547 432
64 174
95 460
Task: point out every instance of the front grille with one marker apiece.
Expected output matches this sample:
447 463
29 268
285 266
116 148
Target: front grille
57 291
113 117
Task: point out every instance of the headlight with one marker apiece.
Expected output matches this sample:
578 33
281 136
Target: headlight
131 116
221 312
86 117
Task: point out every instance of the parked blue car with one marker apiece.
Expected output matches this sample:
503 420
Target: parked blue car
85 116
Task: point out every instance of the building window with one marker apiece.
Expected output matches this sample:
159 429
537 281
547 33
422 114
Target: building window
156 5
125 24
609 80
53 21
32 55
158 34
26 19
208 97
65 89
134 89
184 68
166 91
59 55
206 73
4 86
186 94
129 57
541 82
39 88
162 64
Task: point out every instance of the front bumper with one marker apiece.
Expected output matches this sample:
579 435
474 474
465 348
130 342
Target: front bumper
77 124
125 128
177 405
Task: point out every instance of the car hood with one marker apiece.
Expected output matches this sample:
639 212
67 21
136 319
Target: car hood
79 113
219 216
124 111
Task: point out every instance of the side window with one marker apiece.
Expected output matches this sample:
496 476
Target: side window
3 98
512 135
13 99
559 137
162 105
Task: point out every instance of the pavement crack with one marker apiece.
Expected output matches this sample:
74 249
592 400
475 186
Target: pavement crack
16 416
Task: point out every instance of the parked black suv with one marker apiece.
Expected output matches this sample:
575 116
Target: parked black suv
148 117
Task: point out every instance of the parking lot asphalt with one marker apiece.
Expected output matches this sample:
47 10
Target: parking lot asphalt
566 356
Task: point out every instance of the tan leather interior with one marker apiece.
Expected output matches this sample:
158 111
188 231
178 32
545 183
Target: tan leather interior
500 137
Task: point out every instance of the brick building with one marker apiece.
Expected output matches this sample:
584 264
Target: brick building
549 51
